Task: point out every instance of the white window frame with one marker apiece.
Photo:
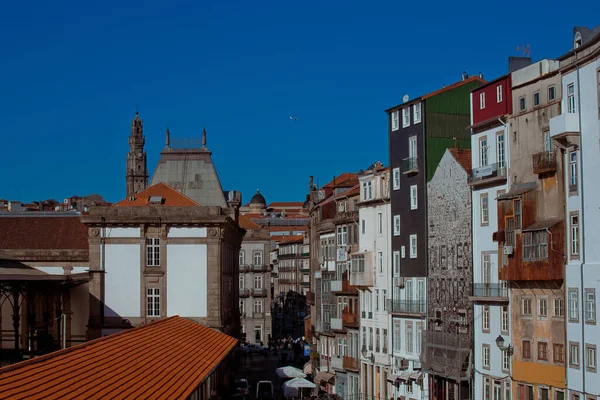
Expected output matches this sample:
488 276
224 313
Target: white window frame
499 94
485 209
573 304
396 178
542 308
405 117
413 197
505 321
526 307
257 256
590 306
396 225
481 100
242 257
395 120
413 246
417 113
396 263
574 229
500 150
153 302
483 151
153 252
380 261
258 306
485 320
571 102
242 282
258 282
485 352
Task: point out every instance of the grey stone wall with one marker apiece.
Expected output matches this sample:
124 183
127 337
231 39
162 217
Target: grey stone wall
450 274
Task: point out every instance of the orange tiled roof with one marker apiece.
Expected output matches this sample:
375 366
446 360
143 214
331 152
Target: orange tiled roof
287 228
283 204
347 179
292 239
463 156
246 223
171 197
167 359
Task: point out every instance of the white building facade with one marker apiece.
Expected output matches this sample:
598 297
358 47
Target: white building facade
371 274
577 133
491 318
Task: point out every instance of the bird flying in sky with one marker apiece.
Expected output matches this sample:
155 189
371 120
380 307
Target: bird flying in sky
294 118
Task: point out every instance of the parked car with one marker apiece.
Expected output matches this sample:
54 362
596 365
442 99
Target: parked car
264 390
242 385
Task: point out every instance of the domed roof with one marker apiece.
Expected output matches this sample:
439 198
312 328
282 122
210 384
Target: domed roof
258 198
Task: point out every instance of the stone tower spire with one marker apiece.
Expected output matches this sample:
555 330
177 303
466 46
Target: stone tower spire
136 176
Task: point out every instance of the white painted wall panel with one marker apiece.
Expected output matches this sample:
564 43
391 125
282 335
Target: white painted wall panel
184 232
119 232
186 280
122 280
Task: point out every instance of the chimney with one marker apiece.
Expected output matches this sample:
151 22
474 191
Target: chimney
464 76
517 63
481 75
310 183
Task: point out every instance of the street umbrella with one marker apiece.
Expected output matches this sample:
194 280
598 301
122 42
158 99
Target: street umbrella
290 372
292 387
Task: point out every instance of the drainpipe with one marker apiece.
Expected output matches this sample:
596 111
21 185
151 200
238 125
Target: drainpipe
581 234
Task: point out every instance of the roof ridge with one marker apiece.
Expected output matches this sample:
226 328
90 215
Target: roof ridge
60 352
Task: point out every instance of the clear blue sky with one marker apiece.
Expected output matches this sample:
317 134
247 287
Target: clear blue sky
73 72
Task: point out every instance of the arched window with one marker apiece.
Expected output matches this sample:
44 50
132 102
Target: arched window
578 40
258 258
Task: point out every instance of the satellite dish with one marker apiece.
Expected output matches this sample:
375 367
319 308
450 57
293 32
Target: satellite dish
405 98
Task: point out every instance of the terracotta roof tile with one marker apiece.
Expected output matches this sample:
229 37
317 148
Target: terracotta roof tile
43 233
463 156
287 228
283 204
171 197
246 223
292 239
347 179
167 359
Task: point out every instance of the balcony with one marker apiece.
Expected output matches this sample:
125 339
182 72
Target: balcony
488 174
337 363
244 267
259 267
489 293
346 216
342 286
305 269
244 292
563 127
350 320
361 279
258 315
544 162
410 165
409 307
336 324
259 292
350 364
304 254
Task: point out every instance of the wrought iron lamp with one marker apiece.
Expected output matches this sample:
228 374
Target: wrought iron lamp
500 343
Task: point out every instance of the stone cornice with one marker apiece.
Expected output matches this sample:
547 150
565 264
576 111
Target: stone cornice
51 255
213 215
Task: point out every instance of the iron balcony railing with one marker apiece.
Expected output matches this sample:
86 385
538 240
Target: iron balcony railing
259 292
244 292
490 290
350 363
409 165
259 267
407 306
486 172
543 162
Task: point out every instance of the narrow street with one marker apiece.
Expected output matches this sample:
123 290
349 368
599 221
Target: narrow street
259 367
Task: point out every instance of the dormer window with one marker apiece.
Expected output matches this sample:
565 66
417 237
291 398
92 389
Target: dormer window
578 40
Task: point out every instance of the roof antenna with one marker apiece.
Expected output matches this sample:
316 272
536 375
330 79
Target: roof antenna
168 139
455 142
204 137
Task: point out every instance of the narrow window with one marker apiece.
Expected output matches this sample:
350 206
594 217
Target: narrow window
396 177
153 252
486 319
536 99
242 257
380 222
498 93
574 354
574 222
417 112
395 121
526 349
413 197
396 262
153 302
258 258
590 306
573 172
526 307
542 308
412 147
522 103
590 357
483 151
573 304
558 353
481 100
413 246
405 117
396 225
500 150
571 103
551 93
486 356
485 212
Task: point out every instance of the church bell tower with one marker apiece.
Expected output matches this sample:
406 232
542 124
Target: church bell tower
136 177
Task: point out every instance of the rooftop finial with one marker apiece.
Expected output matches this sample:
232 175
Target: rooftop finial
168 137
204 137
